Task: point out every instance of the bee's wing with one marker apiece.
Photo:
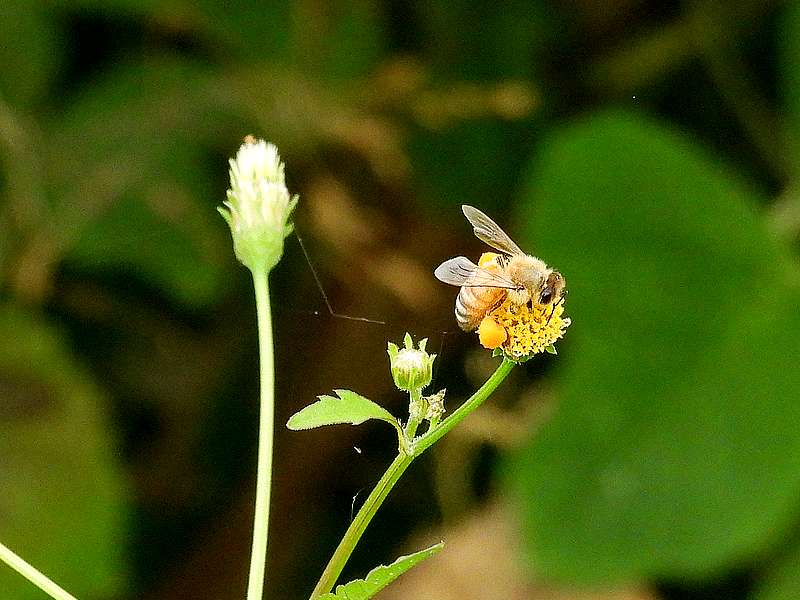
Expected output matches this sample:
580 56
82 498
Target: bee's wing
462 272
489 232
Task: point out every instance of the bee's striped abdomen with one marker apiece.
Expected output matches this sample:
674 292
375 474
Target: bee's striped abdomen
472 304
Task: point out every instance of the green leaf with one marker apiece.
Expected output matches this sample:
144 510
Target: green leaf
508 43
782 580
64 499
130 195
30 54
349 407
675 451
351 46
380 577
788 46
460 164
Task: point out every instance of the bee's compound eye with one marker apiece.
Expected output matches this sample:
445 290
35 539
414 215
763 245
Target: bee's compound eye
546 296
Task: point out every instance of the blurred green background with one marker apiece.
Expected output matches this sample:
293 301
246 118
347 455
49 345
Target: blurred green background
648 150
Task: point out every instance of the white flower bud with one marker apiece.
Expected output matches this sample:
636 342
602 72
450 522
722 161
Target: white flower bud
258 205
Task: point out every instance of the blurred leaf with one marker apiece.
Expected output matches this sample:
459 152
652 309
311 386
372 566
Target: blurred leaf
676 447
139 8
342 42
501 43
473 162
788 39
63 502
353 43
259 31
380 577
124 163
134 238
782 581
29 52
349 407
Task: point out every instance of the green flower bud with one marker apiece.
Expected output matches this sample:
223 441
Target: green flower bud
412 369
258 205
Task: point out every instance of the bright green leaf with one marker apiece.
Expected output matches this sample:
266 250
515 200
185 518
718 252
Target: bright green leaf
349 407
676 448
380 577
63 502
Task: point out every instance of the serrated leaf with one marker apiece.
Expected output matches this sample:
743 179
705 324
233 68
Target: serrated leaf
348 407
380 577
675 451
63 506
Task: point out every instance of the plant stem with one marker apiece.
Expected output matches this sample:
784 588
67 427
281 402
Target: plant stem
414 418
474 401
392 475
30 573
258 557
359 524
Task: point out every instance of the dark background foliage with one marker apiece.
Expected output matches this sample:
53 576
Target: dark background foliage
646 149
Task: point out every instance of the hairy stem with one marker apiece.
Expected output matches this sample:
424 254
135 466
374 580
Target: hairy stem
258 557
392 475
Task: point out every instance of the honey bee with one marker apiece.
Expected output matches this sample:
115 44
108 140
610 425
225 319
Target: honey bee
515 275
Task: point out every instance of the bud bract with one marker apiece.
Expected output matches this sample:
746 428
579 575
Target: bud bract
412 369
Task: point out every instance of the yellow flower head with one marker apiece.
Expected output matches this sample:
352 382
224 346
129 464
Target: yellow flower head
521 330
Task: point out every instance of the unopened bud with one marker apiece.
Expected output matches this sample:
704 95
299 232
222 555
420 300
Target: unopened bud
412 369
258 205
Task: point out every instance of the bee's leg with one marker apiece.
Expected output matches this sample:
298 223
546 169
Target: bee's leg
552 312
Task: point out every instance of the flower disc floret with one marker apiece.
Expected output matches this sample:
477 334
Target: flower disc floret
530 329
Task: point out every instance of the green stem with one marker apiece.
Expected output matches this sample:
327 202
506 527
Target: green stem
478 398
392 475
359 524
414 418
258 557
34 576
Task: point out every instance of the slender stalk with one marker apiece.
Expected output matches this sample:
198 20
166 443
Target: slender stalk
359 524
30 573
414 419
392 475
258 557
474 401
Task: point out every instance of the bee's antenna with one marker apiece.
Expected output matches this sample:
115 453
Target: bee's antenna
552 312
322 289
560 301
